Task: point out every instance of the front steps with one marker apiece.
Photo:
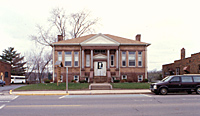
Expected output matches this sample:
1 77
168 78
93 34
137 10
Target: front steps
100 86
100 79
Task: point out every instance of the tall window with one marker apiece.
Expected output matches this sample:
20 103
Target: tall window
178 71
112 60
87 60
6 74
140 59
131 58
68 58
59 56
123 58
75 59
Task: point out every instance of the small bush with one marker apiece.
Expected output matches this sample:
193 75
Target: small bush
83 81
145 80
116 81
46 80
124 80
73 81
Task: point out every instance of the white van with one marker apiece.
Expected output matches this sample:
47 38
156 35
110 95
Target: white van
18 79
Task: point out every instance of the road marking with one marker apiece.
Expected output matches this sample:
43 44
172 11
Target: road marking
2 106
105 96
38 106
15 97
4 101
146 95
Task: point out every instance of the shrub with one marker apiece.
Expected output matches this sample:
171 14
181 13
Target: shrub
116 81
46 80
145 80
83 81
124 80
73 81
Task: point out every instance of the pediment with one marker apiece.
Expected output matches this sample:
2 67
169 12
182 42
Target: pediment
100 56
100 40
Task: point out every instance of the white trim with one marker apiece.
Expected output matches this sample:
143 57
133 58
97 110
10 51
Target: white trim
113 60
77 58
134 60
70 60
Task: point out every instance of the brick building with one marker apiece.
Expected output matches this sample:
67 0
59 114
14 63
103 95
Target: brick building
5 72
101 58
189 65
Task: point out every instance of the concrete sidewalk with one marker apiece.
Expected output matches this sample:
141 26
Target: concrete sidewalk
82 92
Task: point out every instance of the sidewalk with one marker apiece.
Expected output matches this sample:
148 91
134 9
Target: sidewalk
82 92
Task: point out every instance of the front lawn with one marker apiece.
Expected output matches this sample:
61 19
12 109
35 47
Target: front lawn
79 86
130 85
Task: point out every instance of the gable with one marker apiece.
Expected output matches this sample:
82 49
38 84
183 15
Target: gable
100 56
100 40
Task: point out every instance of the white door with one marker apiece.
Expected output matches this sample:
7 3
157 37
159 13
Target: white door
100 68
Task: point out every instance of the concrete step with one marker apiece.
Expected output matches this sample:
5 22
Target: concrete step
100 86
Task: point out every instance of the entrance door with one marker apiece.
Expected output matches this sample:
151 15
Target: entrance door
100 68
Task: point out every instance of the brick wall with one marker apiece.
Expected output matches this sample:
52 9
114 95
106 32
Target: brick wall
5 68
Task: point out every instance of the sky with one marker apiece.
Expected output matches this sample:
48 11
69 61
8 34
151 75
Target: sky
168 25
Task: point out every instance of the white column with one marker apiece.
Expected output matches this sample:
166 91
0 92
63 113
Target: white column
117 59
91 59
83 59
108 57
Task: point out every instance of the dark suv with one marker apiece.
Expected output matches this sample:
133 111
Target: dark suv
176 83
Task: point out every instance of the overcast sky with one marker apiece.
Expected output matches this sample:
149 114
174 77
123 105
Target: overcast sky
168 25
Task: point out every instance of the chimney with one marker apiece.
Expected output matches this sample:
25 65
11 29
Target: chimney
138 37
182 53
60 37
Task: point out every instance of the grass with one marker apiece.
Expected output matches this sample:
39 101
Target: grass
131 85
79 86
53 86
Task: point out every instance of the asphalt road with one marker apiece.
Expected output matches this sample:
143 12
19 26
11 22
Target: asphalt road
101 105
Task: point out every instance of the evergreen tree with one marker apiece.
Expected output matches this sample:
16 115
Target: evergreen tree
17 65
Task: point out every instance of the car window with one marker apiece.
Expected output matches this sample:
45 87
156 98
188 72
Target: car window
175 79
186 79
196 79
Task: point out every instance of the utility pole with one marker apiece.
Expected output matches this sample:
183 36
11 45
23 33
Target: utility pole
66 79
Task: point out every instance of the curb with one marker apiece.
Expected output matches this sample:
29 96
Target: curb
38 94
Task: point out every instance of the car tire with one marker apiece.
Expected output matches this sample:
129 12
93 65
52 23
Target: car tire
163 91
198 90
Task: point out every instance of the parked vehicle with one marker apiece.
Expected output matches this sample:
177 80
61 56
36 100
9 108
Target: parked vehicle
176 83
2 83
18 79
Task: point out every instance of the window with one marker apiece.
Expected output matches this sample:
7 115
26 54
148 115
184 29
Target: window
140 78
68 59
87 60
140 59
123 58
177 71
112 60
100 65
59 56
131 59
76 78
175 79
186 79
75 59
196 79
124 77
99 51
6 74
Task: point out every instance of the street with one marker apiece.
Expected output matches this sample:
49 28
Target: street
98 105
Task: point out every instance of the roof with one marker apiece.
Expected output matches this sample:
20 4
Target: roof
120 40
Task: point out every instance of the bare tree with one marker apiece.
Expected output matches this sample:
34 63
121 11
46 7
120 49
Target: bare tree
77 24
38 62
80 24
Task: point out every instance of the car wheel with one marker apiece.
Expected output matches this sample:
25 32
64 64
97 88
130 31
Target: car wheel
198 90
163 91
